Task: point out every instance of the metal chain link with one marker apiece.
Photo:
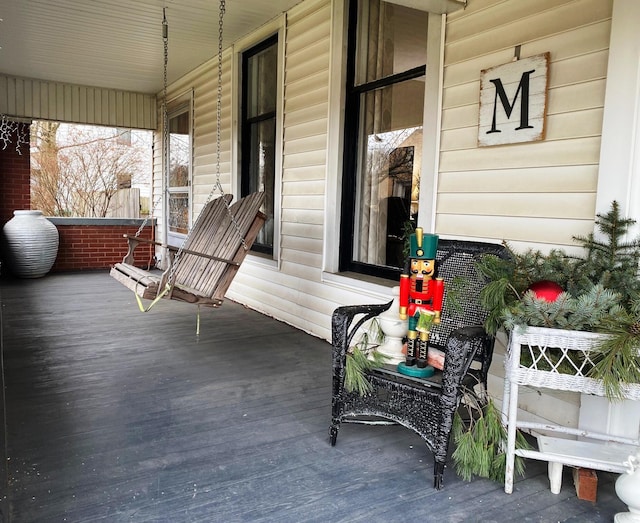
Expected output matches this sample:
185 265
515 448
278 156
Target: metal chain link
218 184
165 126
219 97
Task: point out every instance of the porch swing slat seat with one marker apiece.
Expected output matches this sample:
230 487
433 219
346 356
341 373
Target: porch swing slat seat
210 257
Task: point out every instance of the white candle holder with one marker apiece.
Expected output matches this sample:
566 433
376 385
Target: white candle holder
628 490
394 330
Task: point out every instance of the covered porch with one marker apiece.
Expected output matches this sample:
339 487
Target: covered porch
113 415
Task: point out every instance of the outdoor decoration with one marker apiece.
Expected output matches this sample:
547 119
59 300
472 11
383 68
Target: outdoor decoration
421 297
362 357
601 295
585 340
394 329
32 242
415 403
513 100
546 290
481 437
10 133
628 490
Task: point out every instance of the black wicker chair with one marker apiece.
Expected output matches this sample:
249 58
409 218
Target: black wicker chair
426 406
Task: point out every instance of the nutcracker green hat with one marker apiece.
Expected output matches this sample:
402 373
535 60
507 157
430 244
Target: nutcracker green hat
423 246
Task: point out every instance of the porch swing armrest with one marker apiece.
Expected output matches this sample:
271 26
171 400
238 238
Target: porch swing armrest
133 242
133 239
204 255
137 239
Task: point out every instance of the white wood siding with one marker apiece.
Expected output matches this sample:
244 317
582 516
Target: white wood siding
294 293
43 100
291 289
539 194
532 194
202 84
544 192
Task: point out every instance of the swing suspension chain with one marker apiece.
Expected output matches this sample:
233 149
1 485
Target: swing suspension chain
165 118
144 222
219 98
218 183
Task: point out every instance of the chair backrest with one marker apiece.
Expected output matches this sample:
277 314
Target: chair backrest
216 234
456 263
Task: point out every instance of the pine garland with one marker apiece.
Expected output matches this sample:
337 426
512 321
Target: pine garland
616 359
602 294
567 312
362 358
481 439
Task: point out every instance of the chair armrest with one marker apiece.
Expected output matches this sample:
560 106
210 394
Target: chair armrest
342 319
342 335
463 345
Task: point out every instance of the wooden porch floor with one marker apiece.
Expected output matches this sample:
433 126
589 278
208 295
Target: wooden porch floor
113 415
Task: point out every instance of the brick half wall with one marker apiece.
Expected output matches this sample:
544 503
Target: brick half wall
98 243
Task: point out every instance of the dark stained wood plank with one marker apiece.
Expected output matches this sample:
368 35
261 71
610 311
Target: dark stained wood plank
113 415
4 484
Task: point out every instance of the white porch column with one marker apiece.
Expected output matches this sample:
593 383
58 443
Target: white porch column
619 175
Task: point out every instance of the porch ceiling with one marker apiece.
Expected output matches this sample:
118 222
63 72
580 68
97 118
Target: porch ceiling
118 43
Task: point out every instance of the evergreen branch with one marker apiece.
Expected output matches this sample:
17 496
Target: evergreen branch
481 440
602 294
362 358
616 359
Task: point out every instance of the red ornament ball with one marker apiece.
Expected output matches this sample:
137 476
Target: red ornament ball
546 290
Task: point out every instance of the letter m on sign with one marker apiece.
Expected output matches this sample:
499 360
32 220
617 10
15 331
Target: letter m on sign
513 102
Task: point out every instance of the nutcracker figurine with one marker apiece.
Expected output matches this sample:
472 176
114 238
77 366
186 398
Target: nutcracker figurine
421 295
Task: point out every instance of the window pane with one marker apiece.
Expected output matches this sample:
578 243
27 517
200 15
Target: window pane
179 212
387 184
393 39
179 150
261 85
259 100
262 175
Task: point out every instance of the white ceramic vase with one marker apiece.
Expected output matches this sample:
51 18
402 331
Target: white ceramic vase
32 242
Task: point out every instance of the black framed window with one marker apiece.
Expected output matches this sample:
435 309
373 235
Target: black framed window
258 131
386 69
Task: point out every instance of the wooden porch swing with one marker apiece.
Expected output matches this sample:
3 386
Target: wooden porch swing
202 269
207 262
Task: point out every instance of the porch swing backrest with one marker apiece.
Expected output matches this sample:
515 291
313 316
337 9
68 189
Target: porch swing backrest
216 235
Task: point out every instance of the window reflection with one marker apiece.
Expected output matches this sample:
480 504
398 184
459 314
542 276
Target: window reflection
179 150
383 135
389 174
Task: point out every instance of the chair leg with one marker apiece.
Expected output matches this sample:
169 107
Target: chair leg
438 472
333 433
